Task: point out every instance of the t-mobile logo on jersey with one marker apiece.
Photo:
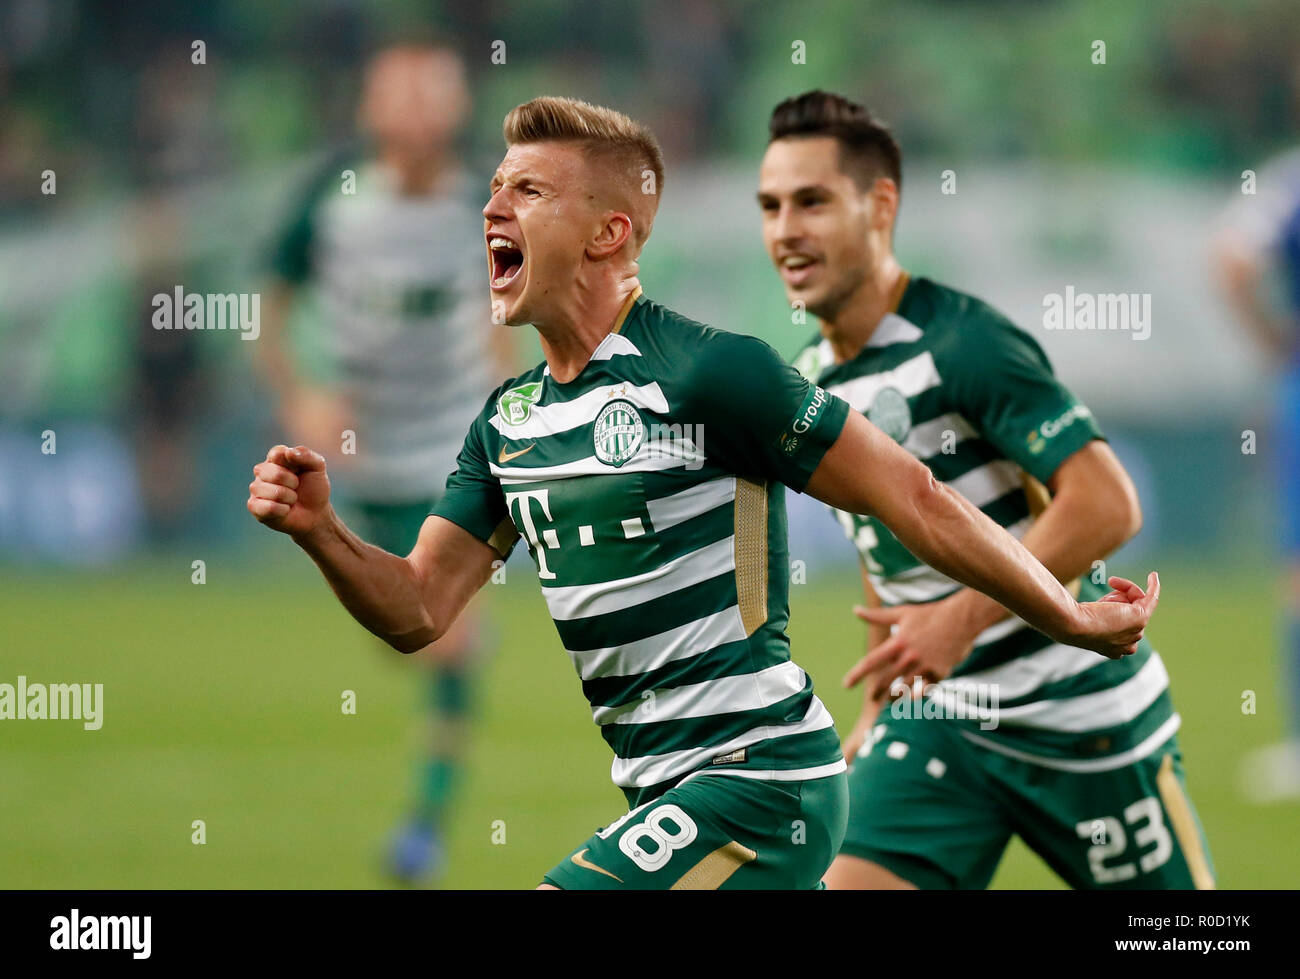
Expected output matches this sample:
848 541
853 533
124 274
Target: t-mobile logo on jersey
1098 311
547 538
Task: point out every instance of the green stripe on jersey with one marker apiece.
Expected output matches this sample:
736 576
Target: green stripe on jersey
650 493
974 398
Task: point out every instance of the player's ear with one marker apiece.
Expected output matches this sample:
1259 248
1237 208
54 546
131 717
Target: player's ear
613 234
884 197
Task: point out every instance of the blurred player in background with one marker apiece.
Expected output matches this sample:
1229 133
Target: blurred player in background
388 241
1083 763
1258 260
644 463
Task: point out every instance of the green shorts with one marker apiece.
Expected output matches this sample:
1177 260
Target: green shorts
717 831
938 811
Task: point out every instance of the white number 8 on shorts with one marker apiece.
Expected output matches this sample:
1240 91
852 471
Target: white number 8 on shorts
653 828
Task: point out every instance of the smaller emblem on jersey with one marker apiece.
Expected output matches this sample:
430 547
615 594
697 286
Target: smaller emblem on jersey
517 404
618 433
890 413
736 757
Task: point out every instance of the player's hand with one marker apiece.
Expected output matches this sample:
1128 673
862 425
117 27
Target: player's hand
926 641
1113 625
290 491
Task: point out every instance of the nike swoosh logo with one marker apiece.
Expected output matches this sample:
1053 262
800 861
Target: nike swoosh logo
505 456
582 861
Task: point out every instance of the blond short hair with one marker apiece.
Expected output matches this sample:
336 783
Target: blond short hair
618 141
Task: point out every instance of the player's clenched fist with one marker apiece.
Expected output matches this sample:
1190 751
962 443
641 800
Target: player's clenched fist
290 491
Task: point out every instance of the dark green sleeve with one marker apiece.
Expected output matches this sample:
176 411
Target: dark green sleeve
290 253
761 417
473 499
1002 382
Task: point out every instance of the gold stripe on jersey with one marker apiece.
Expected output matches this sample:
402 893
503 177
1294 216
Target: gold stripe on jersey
1038 497
751 553
897 298
1036 494
627 308
504 537
1184 824
715 869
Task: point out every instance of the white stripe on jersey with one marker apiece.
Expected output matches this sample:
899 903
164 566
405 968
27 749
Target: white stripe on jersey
614 345
669 511
922 588
1139 751
984 484
1000 630
600 598
890 330
927 438
651 457
644 655
723 695
1024 674
911 377
652 769
1094 711
924 584
564 416
775 774
771 775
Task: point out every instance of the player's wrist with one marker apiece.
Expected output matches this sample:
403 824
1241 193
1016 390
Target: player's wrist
313 539
973 612
1077 628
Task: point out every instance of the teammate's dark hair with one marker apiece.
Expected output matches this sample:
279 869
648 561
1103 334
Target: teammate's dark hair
868 149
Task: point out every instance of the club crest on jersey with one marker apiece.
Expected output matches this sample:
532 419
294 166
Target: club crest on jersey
890 413
517 404
618 433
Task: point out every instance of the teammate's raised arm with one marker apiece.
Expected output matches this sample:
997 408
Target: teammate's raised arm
407 602
866 472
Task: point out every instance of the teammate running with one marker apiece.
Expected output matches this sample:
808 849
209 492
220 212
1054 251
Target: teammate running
643 463
387 255
1023 732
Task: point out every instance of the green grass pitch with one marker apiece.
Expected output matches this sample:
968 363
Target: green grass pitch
222 703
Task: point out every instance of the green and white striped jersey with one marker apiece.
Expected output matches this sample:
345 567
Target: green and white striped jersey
974 398
649 490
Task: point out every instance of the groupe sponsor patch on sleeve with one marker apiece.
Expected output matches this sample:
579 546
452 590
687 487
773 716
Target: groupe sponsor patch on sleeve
806 419
1049 429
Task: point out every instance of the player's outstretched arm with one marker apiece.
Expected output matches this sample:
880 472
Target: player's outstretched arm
407 602
866 472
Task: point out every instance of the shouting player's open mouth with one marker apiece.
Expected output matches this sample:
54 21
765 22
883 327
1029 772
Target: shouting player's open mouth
797 269
507 260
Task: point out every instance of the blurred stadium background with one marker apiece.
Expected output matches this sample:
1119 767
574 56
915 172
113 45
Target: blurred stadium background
222 699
